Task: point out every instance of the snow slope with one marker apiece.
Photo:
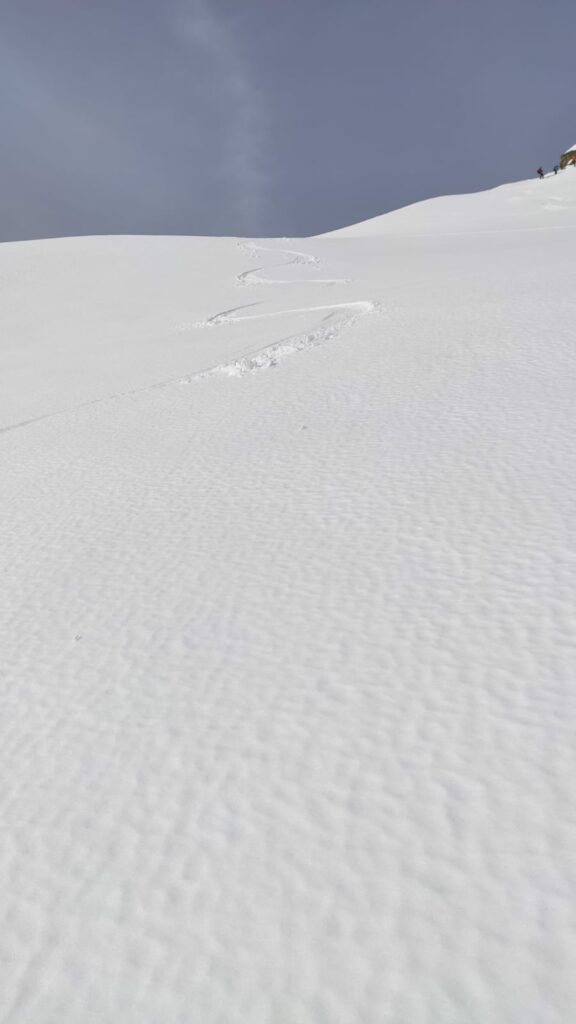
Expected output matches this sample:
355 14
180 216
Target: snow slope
288 659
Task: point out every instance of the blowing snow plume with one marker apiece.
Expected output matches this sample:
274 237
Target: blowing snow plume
239 108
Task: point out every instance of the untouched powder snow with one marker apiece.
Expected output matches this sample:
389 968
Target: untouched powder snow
288 604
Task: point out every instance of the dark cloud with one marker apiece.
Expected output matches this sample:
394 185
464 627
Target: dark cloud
265 117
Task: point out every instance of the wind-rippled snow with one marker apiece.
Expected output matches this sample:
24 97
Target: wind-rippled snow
288 655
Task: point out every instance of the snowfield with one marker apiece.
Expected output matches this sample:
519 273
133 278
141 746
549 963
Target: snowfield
288 680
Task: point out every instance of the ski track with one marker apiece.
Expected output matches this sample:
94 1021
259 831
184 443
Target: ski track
330 327
252 277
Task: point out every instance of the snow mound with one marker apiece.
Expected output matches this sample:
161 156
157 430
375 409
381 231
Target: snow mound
522 206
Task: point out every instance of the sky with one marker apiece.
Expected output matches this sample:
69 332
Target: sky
270 117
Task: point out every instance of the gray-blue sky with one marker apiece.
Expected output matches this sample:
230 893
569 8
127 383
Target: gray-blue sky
278 117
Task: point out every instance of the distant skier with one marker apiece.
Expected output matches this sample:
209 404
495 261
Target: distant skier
540 173
556 168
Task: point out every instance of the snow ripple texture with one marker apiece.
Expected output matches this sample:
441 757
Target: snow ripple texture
288 661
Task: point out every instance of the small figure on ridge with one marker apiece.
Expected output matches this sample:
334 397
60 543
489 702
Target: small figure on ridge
540 173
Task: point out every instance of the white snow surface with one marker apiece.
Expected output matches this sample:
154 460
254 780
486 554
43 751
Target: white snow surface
288 658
